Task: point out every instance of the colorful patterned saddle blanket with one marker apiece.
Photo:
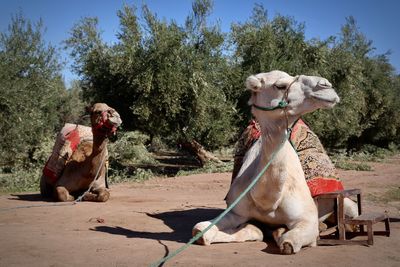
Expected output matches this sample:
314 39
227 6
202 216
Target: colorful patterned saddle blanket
319 171
67 141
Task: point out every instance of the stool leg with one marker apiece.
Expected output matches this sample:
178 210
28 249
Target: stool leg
387 227
370 234
342 229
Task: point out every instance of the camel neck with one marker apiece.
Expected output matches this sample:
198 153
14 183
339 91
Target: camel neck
272 136
99 144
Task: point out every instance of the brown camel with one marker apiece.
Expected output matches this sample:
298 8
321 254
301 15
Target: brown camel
83 162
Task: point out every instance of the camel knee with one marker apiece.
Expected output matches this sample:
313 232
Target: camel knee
249 232
103 195
207 237
62 194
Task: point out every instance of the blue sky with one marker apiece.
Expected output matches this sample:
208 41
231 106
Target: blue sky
378 20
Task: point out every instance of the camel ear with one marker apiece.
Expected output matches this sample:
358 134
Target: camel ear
253 83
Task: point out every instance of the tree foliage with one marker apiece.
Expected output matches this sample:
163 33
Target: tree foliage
366 84
165 79
32 93
181 83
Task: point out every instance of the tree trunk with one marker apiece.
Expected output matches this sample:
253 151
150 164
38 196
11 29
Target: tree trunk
201 154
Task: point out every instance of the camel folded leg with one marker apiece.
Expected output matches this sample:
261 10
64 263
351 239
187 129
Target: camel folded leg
291 241
62 194
97 195
231 228
326 213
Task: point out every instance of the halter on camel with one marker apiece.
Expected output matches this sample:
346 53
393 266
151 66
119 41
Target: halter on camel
281 105
103 126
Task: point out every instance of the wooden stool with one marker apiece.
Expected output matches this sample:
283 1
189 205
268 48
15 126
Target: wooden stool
370 219
339 230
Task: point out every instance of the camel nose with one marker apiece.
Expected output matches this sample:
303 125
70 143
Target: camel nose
324 83
115 118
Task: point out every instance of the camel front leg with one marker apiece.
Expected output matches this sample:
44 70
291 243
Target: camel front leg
290 241
62 194
97 195
232 228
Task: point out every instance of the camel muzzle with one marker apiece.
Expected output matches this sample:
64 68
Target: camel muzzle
107 125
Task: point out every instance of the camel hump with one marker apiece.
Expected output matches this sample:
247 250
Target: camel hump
67 141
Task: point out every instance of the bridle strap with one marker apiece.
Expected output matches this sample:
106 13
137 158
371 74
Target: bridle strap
102 126
282 104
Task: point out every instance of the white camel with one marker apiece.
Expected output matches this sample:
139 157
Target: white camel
281 198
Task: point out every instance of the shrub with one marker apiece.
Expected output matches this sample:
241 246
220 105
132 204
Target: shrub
130 148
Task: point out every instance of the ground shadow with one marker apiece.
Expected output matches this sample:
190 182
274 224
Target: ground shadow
35 197
181 222
272 248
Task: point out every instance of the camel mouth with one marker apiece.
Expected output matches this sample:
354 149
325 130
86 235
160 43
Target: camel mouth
332 101
327 96
115 121
107 127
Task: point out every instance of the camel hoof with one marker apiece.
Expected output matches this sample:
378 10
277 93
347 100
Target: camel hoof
63 195
287 248
201 241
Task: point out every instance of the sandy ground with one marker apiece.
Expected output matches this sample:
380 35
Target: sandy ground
142 222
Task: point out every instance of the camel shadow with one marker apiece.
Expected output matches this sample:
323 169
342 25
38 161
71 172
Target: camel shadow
181 222
35 197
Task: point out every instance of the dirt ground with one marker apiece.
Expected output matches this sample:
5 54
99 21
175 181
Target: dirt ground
142 222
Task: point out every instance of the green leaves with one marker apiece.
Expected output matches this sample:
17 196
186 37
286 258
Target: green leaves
164 79
365 83
184 82
33 98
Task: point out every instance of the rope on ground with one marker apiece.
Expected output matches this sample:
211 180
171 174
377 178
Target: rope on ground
216 220
40 205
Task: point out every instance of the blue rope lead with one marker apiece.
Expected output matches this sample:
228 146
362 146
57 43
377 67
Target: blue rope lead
216 220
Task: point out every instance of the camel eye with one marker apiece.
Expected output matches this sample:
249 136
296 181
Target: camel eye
280 86
97 113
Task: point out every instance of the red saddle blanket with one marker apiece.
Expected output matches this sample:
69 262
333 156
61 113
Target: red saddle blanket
320 185
67 141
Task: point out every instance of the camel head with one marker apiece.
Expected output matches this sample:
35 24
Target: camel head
289 96
105 120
